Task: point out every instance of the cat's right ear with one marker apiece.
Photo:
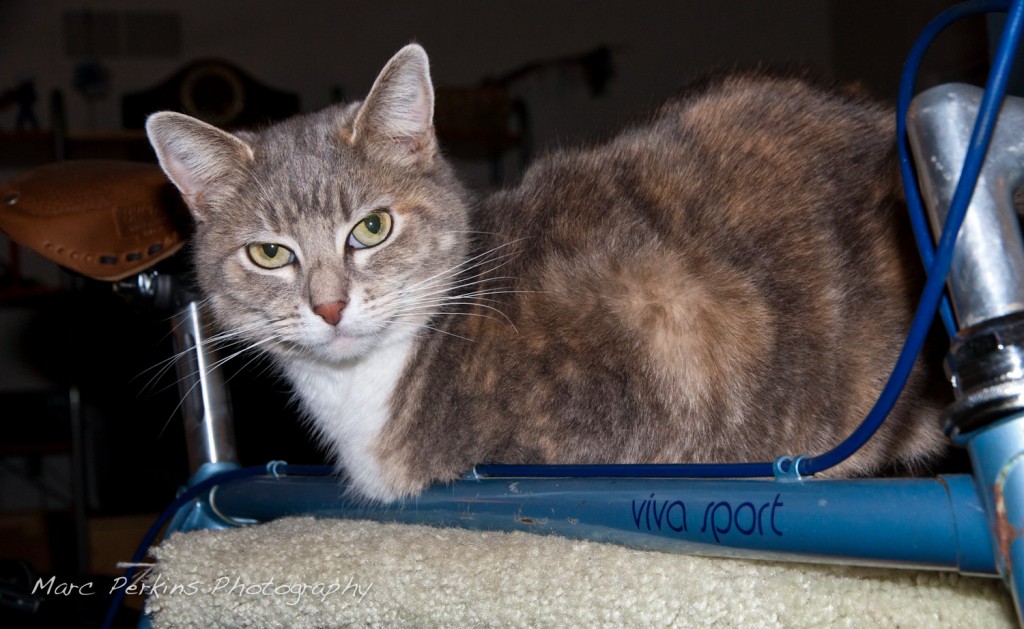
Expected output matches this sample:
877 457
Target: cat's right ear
202 161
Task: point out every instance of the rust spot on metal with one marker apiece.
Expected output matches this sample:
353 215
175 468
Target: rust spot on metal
1005 532
525 520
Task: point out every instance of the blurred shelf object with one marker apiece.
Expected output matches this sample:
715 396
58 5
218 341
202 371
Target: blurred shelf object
27 149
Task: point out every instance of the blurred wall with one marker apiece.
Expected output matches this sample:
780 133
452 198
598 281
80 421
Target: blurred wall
311 47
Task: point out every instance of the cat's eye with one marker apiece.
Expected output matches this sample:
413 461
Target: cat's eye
269 255
371 231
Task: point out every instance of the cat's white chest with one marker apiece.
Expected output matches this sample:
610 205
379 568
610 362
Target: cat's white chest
350 404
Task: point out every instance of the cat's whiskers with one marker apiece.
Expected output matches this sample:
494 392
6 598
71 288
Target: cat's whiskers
428 315
472 298
216 364
426 305
254 346
493 290
454 272
478 295
428 327
163 366
445 283
445 286
215 342
450 290
448 294
437 302
197 379
412 312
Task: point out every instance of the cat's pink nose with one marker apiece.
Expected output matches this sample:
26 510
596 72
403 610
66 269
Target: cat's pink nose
331 313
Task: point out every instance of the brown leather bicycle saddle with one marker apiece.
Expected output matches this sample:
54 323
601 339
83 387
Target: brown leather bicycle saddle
102 218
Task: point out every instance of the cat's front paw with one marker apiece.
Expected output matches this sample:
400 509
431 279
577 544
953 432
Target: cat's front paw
385 487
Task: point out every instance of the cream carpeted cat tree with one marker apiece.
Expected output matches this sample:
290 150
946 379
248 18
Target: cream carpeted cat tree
304 572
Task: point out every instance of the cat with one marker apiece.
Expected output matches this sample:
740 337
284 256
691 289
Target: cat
728 281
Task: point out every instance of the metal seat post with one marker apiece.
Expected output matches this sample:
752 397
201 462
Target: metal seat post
205 408
209 431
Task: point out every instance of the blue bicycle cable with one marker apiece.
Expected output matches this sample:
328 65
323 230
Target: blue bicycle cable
908 78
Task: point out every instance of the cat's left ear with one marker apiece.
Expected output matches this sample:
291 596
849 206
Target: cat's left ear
397 118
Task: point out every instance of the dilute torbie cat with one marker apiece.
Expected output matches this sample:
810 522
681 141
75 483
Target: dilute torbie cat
730 281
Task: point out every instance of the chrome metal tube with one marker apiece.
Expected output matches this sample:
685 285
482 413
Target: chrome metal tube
987 274
209 431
